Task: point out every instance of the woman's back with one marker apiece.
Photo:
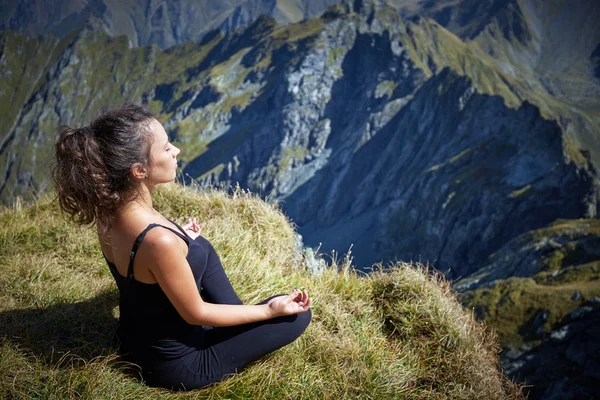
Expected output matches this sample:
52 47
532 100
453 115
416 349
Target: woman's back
117 242
150 327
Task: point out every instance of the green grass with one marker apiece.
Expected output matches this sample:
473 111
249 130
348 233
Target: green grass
386 88
396 334
299 31
25 62
334 54
290 155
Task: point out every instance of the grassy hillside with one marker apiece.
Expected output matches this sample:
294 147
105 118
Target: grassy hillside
399 334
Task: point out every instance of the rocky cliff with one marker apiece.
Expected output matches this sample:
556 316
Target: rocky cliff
364 141
541 292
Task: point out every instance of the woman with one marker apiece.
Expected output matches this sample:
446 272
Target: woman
181 320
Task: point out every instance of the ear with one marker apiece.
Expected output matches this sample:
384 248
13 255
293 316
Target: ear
138 171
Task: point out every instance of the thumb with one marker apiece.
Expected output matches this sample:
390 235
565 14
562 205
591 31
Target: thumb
292 296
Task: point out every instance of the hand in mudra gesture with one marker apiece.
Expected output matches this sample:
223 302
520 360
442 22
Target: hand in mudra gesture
294 303
192 228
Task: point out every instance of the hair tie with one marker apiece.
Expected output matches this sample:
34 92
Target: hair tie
86 130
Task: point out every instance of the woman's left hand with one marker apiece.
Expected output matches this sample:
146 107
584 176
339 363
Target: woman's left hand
294 303
192 228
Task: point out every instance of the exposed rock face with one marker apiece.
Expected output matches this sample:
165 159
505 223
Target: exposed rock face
566 365
540 293
469 18
595 57
554 250
368 152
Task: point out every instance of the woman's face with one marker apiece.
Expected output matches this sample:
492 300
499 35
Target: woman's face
163 156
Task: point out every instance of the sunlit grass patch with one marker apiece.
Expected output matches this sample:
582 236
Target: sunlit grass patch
394 334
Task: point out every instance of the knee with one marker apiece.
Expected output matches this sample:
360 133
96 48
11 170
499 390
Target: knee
299 321
303 320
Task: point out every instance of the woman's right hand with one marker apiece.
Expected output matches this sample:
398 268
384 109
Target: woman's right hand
294 303
192 228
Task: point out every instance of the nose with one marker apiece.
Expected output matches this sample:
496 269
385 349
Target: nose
176 151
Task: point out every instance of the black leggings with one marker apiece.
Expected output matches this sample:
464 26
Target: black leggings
224 350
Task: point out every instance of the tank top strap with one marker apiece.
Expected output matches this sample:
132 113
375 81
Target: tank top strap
139 240
177 225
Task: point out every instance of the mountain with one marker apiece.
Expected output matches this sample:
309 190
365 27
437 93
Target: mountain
164 23
550 46
365 125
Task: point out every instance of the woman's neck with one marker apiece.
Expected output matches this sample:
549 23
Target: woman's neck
141 203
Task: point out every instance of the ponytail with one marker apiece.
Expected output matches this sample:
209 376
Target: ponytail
92 171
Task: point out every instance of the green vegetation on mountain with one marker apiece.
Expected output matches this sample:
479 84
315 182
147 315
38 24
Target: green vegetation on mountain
390 335
193 86
565 273
24 64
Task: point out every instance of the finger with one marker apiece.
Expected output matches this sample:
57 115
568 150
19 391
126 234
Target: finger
301 297
292 296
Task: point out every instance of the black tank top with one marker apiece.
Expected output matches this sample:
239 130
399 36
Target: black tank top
149 324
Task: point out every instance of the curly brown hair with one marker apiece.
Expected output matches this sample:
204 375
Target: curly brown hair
92 170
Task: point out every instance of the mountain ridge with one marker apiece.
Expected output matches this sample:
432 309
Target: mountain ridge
229 80
161 22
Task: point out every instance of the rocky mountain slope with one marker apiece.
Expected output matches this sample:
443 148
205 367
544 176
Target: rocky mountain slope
164 23
551 45
367 126
541 292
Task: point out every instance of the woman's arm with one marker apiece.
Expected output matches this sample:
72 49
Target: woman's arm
161 252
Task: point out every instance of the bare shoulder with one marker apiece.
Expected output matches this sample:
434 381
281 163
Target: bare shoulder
161 238
161 247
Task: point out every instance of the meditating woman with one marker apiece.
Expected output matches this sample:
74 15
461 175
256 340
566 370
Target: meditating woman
180 319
